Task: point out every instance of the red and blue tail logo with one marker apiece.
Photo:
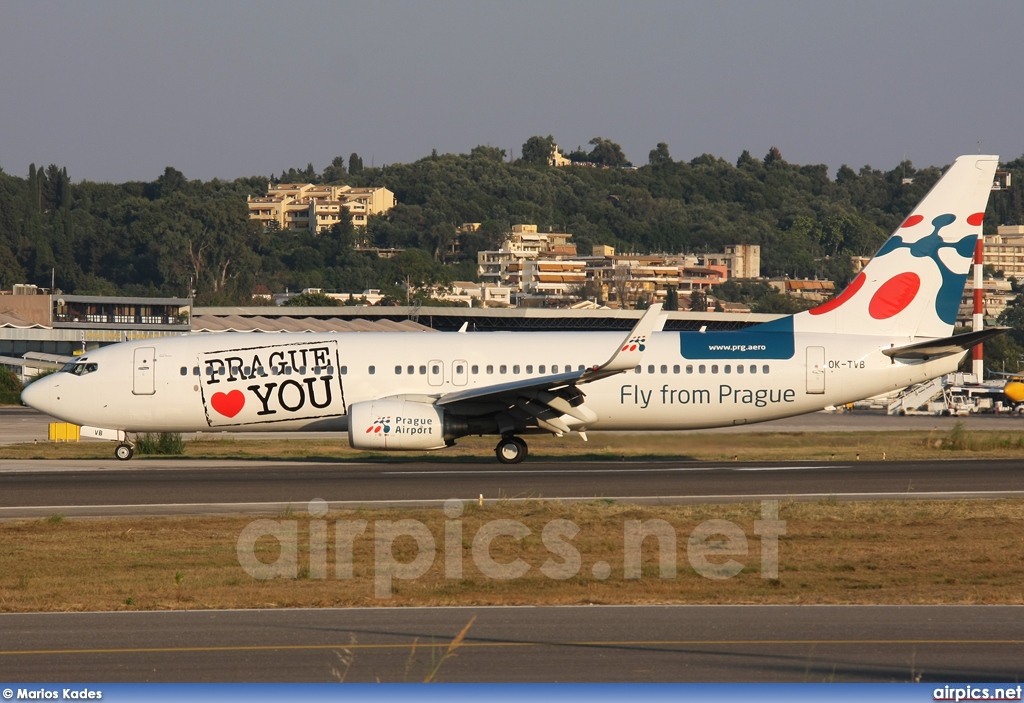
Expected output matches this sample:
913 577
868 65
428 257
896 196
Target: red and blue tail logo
639 342
913 285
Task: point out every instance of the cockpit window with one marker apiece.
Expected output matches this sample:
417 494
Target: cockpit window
81 369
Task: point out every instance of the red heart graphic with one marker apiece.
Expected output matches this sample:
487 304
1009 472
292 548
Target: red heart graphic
228 404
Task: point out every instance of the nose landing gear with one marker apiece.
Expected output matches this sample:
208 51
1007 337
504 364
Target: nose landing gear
511 450
124 451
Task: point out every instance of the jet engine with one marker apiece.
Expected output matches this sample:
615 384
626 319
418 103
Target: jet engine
393 423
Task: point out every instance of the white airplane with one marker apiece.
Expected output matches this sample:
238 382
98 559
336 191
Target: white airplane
890 328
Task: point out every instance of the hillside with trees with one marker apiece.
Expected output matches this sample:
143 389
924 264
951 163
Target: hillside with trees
173 236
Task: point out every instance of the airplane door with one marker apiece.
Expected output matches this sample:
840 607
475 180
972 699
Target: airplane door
435 372
815 369
145 360
460 372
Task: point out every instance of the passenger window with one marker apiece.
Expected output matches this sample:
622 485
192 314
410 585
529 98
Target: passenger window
490 368
664 369
515 369
675 369
344 370
554 368
460 369
184 371
423 370
714 368
540 369
195 370
702 369
398 370
764 369
638 369
581 367
410 369
529 368
689 368
435 369
650 368
372 370
739 368
474 369
502 369
728 368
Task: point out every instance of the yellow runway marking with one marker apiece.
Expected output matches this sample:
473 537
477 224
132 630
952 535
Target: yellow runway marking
408 645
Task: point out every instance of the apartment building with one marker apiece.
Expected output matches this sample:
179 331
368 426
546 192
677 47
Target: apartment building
504 266
551 282
299 206
1004 251
996 294
543 269
739 260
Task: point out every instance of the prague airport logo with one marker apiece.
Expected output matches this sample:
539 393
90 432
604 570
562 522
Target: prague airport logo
381 424
639 342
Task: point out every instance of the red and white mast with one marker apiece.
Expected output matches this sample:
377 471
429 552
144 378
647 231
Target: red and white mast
978 320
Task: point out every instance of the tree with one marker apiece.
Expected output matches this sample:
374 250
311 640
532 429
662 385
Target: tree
312 300
607 153
169 183
10 387
659 155
777 303
336 173
537 150
355 164
698 301
492 153
1013 317
672 299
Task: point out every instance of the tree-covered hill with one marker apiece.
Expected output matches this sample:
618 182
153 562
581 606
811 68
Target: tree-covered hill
172 235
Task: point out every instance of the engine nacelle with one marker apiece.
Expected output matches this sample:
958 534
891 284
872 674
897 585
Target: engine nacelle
395 424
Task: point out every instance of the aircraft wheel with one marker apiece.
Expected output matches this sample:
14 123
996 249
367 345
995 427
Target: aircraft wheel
511 450
124 452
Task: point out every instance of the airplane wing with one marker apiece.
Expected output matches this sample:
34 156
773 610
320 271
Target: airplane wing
546 398
934 348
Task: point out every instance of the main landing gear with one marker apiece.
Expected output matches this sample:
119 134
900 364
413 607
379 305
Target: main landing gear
124 451
511 450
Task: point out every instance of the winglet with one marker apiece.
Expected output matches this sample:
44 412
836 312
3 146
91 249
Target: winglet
631 348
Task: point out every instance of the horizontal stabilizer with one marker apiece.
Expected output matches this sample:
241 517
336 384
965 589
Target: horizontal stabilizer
933 348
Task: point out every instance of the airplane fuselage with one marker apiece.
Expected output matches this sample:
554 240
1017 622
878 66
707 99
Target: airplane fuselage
256 382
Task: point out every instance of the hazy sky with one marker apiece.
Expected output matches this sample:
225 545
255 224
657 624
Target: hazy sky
116 91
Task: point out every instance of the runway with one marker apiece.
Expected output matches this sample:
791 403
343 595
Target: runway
189 487
522 644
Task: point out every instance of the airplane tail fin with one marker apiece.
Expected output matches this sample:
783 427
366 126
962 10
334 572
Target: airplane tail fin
913 285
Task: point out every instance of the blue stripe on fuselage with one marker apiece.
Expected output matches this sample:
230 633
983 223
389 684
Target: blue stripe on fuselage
769 340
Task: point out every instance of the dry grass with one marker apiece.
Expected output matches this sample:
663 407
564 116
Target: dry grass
767 446
884 552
